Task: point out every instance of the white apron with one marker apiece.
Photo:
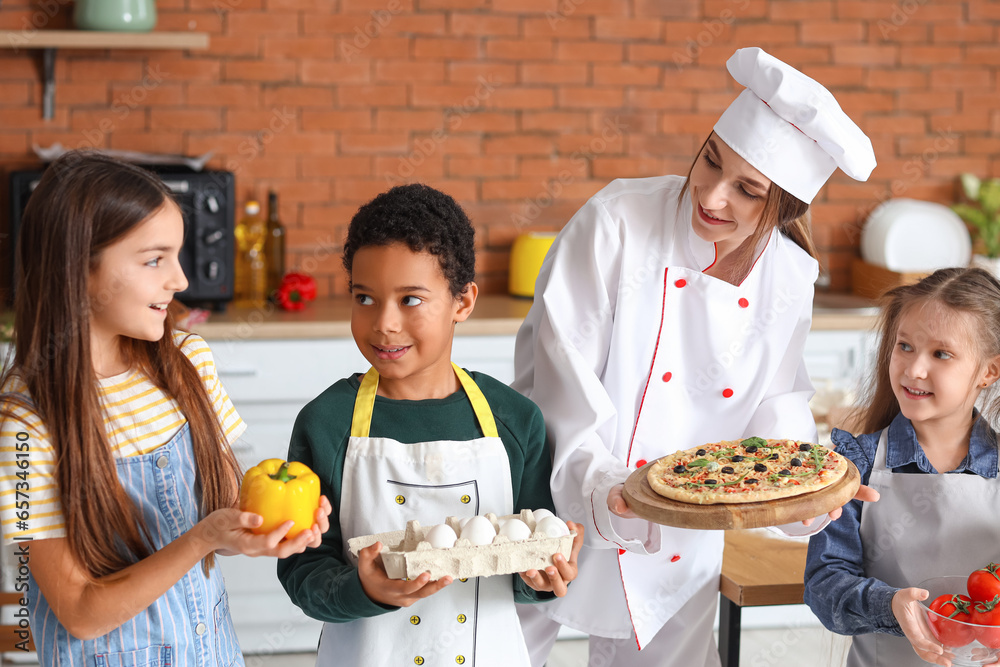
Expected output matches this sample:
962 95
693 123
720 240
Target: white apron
910 534
387 483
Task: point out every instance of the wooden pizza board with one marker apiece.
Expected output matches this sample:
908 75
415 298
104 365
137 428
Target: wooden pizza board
651 506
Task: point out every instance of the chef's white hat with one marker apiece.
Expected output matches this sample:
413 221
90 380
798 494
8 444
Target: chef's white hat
790 127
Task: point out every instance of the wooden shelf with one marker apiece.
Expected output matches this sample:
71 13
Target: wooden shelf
49 41
89 39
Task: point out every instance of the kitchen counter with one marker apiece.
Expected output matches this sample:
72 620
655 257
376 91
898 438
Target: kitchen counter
495 315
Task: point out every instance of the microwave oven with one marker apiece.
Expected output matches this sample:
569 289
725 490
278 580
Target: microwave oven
208 205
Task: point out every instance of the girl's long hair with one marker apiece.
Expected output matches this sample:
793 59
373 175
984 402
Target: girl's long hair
971 291
781 209
84 203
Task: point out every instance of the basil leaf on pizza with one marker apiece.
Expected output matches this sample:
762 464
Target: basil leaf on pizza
745 471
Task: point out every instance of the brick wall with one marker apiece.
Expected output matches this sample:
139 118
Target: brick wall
521 109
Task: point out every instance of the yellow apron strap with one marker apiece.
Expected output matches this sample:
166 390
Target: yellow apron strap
365 403
479 403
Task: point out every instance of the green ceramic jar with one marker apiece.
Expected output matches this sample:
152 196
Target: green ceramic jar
115 15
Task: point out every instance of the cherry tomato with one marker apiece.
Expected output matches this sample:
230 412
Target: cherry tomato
987 613
955 607
984 584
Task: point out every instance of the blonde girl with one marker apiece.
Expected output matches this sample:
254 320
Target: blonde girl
931 455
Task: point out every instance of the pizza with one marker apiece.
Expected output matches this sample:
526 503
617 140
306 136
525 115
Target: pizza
745 471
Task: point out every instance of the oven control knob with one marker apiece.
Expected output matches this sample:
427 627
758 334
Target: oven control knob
212 203
213 237
212 270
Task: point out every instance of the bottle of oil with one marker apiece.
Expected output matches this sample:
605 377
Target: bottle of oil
274 246
251 267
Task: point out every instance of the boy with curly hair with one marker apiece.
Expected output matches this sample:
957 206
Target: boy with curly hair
417 437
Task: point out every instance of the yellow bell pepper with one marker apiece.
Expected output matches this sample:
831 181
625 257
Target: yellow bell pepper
281 491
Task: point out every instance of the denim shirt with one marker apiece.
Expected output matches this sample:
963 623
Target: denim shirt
836 588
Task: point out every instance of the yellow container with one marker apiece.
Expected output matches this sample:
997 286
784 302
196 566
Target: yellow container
526 256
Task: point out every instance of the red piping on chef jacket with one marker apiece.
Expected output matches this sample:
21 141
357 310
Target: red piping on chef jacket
638 646
716 259
593 513
628 458
769 236
635 427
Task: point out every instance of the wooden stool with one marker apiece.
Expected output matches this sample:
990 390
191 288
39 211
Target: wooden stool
757 570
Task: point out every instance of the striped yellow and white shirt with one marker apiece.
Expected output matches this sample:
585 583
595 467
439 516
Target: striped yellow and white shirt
138 416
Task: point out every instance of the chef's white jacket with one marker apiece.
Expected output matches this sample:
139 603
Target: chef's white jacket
632 352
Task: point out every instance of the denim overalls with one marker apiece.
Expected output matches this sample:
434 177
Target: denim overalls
189 625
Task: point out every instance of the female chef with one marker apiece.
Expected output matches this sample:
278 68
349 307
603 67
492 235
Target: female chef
672 312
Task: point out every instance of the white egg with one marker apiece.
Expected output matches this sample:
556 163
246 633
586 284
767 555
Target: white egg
463 521
441 536
541 514
552 526
515 530
479 531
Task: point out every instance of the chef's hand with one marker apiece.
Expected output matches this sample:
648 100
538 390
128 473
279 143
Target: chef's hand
617 504
393 592
906 608
555 577
865 494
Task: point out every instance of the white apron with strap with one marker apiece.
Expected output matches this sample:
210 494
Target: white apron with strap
923 526
387 483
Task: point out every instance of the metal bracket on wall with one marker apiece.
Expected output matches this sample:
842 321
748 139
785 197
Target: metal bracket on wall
50 41
49 83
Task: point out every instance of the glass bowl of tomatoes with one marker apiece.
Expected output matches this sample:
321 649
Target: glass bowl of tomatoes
969 633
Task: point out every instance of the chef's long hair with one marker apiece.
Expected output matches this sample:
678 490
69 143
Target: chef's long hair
782 210
84 203
971 291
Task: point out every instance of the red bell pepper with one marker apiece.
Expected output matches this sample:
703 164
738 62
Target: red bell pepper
295 291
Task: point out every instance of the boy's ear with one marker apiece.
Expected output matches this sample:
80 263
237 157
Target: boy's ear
466 302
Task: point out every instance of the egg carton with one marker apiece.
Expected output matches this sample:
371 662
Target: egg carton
406 554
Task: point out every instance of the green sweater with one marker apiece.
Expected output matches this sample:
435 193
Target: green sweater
320 581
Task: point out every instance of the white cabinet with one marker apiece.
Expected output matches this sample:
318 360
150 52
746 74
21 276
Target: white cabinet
269 381
838 358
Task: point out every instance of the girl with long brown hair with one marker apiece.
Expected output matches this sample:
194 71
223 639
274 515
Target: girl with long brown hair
932 456
119 484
